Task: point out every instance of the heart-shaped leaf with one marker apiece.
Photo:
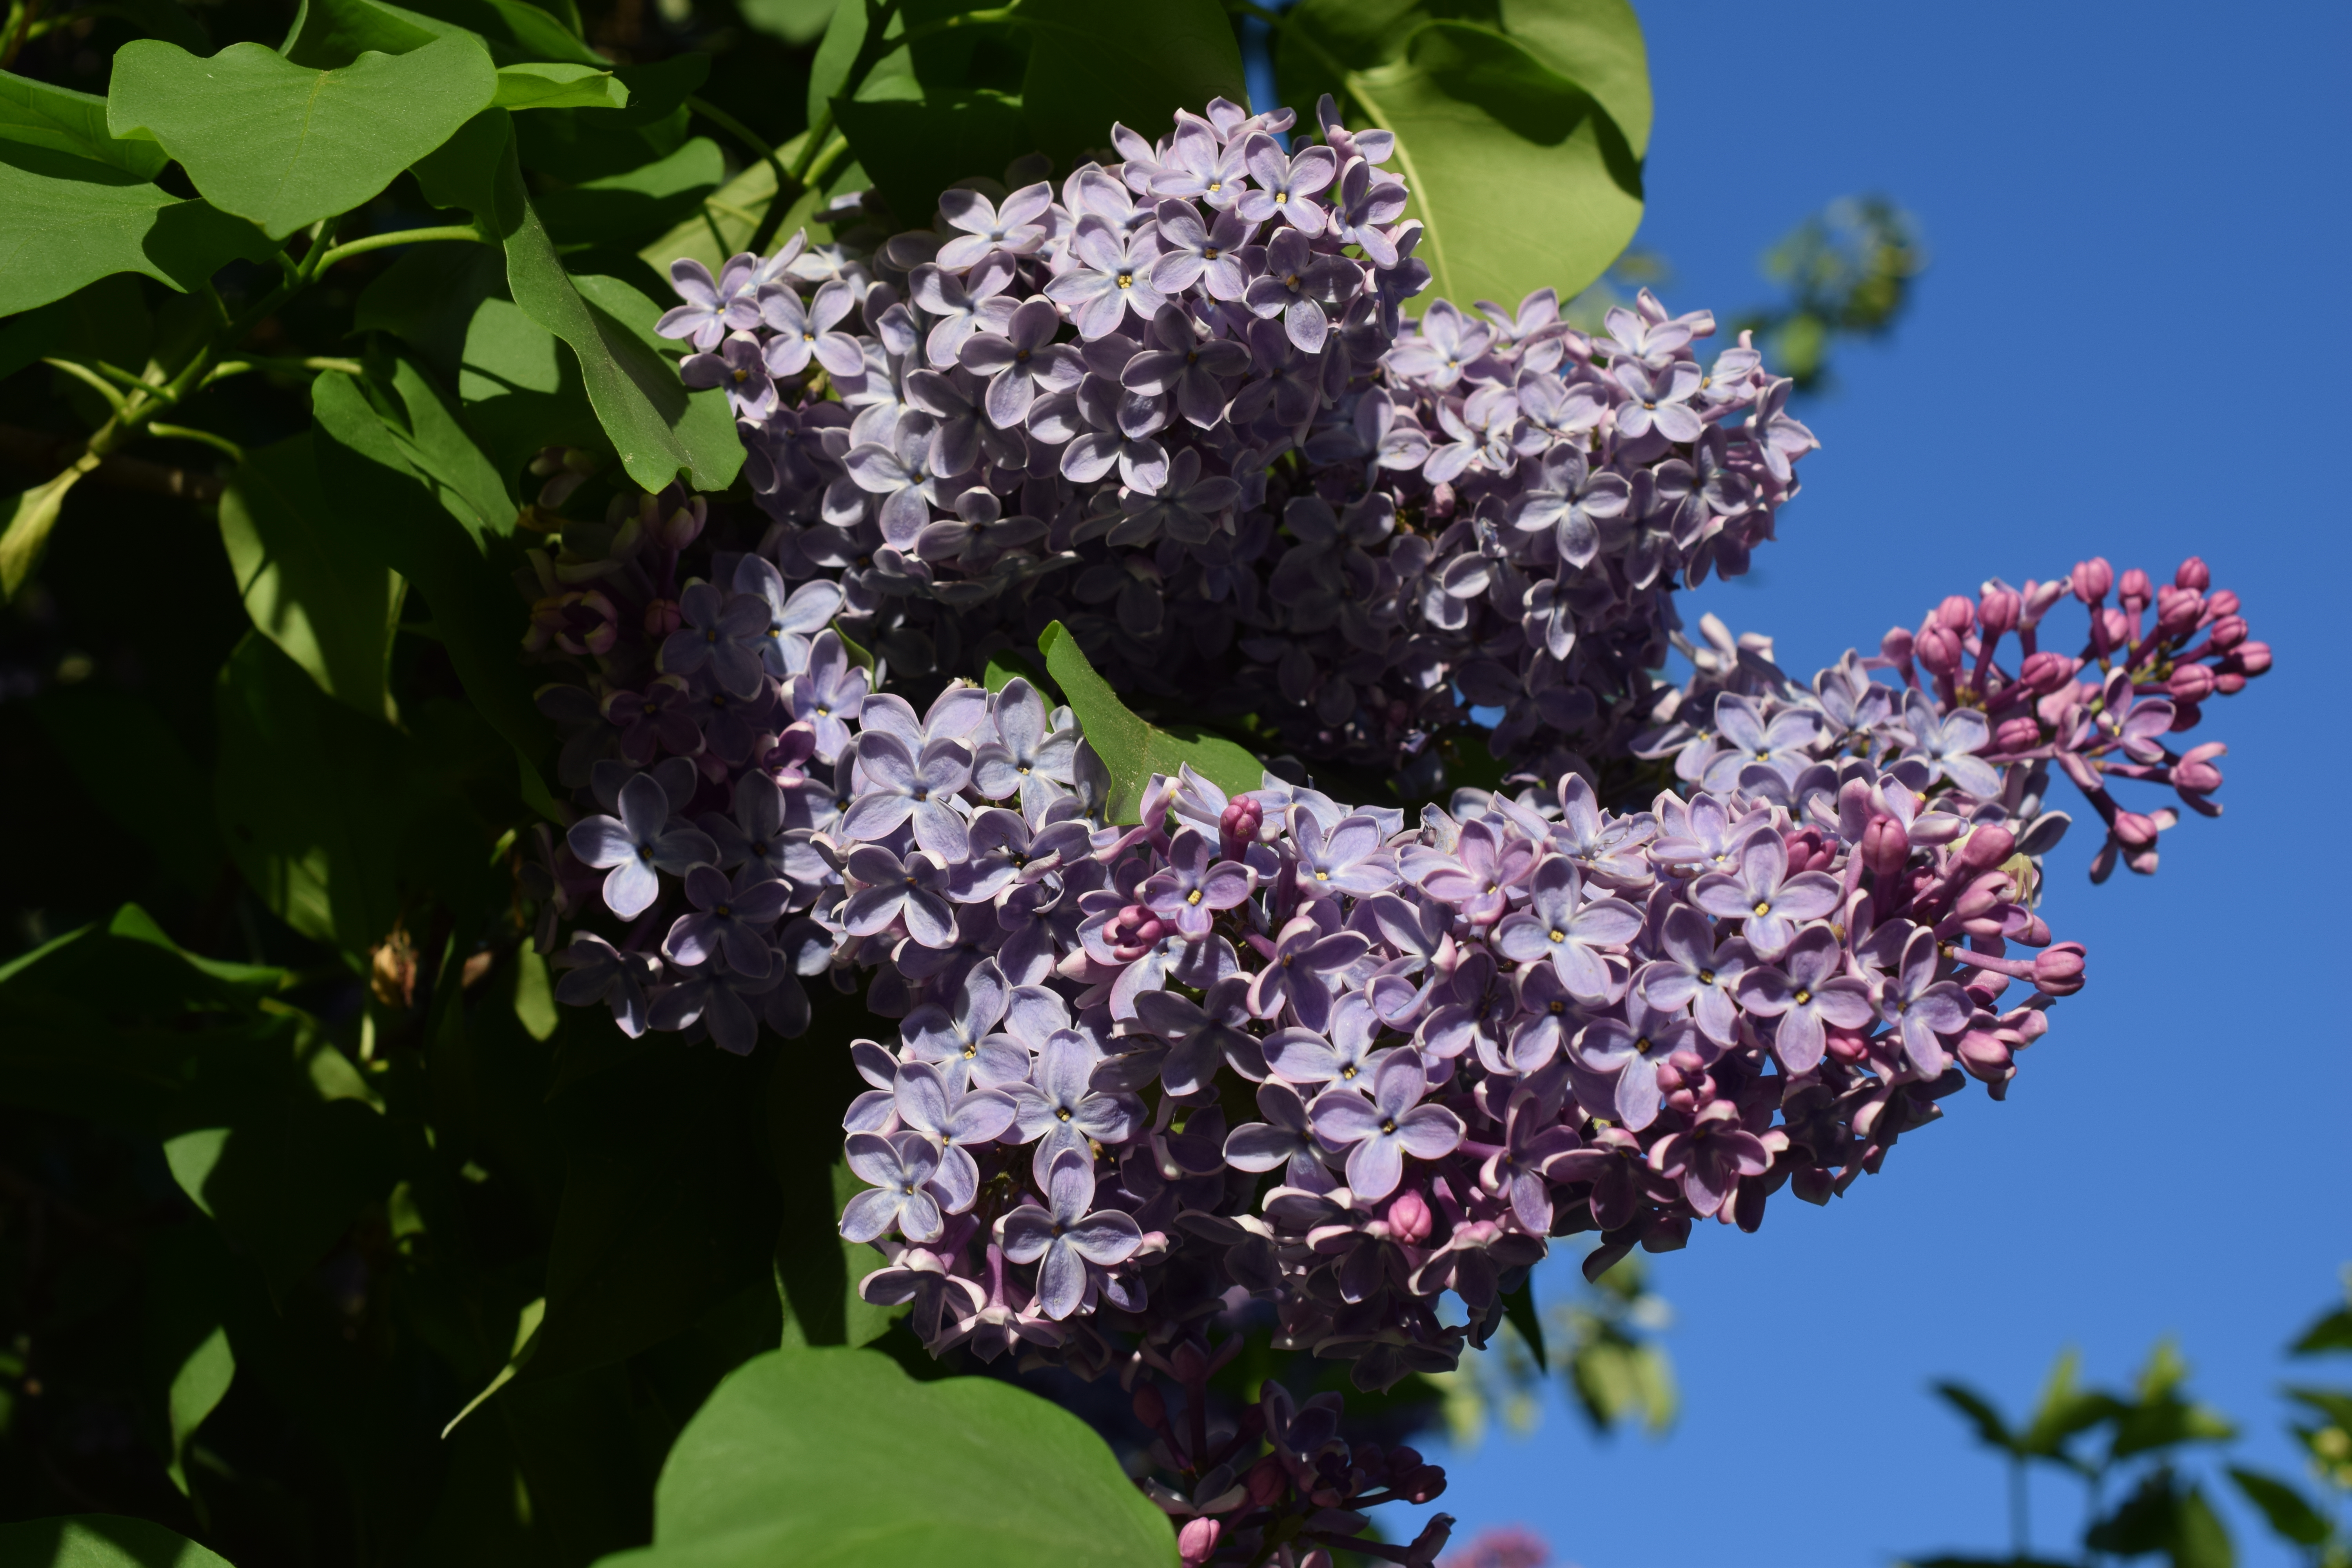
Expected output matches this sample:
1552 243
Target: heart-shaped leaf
35 114
71 222
285 145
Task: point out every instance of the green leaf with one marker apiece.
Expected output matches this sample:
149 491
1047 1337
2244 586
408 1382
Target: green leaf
32 516
1006 667
2290 1514
1519 1307
550 85
94 726
2063 1410
574 145
188 1361
1597 45
309 580
71 222
285 145
1090 64
307 792
521 390
845 35
1992 1430
1131 750
801 1456
624 209
656 428
197 1389
99 1541
793 22
416 491
915 148
2336 1405
35 114
2332 1332
1523 179
287 1181
515 31
328 35
2199 1540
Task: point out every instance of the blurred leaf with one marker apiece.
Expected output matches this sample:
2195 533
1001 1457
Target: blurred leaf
915 148
270 141
1090 64
287 1179
189 1362
574 145
2161 1515
1992 1430
795 22
309 580
2161 1419
99 1541
1523 179
168 20
307 792
2290 1514
196 1389
1597 45
845 36
542 84
2064 1411
516 32
1131 750
801 1457
2332 1332
71 222
2200 1539
1519 1307
2335 1405
36 114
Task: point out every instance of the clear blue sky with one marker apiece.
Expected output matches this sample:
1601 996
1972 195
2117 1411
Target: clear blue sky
2129 345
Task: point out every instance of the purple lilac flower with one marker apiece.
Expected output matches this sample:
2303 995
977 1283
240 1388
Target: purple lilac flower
1379 1132
1068 1240
635 845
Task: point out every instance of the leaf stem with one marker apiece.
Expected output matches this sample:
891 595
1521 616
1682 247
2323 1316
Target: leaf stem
92 379
465 231
697 104
187 433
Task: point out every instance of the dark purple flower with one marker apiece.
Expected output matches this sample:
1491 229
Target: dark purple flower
659 718
1202 1035
603 973
737 366
732 919
1285 1138
1572 500
1711 1157
1301 956
829 693
913 890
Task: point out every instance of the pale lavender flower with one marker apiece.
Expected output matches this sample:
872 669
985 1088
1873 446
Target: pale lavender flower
1070 1238
1213 254
1572 498
1947 745
1921 1006
1633 1047
1058 1109
802 333
1302 955
901 783
635 845
1693 970
913 890
1658 400
1768 903
1448 341
1286 186
1379 1132
1012 227
1195 886
1285 1138
953 1119
1111 275
1560 924
898 1169
828 694
1806 993
975 303
1021 361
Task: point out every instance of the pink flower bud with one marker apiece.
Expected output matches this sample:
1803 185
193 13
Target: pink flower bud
2093 578
2191 683
1884 847
1937 646
1239 823
2133 829
1266 1481
1149 1408
2229 683
2114 627
1409 1218
1198 1539
2136 590
2222 602
2228 632
2253 657
2046 671
1896 644
2000 610
1846 1046
2196 772
1670 1076
662 617
2058 970
1982 895
2016 734
1955 613
1987 846
2028 1024
2193 573
2178 611
1984 1056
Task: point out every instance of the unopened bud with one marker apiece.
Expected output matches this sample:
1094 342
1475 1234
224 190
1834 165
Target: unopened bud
1198 1539
1884 847
2227 632
2136 590
684 526
2178 611
2253 657
2039 597
1409 1218
2114 627
1896 644
1149 1408
2193 573
2222 602
2191 683
2135 830
2015 734
2058 970
2093 578
1985 1055
1955 613
1266 1481
2000 610
1937 646
2196 772
1987 846
2046 671
662 617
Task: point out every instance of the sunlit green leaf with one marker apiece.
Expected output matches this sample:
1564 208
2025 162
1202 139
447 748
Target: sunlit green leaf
1131 750
100 1541
70 222
1597 45
1523 181
801 1457
557 84
309 581
285 145
2288 1512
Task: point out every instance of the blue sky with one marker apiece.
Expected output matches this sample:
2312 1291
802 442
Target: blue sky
2138 221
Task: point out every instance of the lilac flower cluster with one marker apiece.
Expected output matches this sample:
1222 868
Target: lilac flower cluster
1178 409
